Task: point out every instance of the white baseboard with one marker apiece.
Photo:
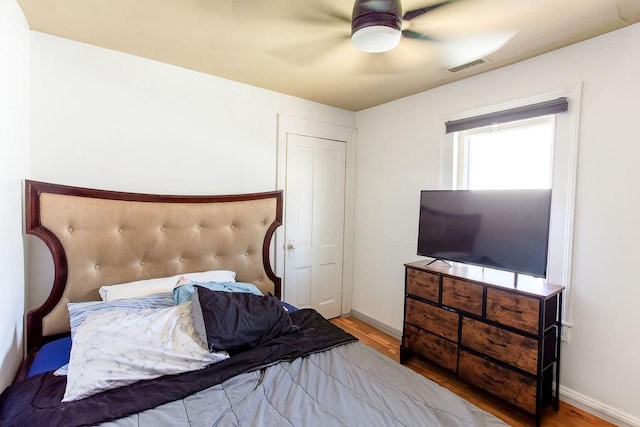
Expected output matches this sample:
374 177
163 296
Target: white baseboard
597 408
376 324
572 397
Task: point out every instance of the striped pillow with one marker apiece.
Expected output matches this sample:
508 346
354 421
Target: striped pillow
78 311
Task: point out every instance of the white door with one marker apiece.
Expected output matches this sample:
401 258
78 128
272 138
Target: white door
314 223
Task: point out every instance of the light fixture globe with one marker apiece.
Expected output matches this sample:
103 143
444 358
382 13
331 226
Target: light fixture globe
376 25
376 39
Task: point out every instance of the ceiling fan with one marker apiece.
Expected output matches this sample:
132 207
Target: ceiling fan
378 25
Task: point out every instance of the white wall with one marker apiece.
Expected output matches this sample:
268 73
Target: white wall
110 120
398 155
14 150
104 119
122 122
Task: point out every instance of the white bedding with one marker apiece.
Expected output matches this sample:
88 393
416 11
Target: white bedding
118 347
160 285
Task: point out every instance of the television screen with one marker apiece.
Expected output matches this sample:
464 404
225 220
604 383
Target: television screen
502 229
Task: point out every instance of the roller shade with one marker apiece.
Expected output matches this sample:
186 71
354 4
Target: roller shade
540 109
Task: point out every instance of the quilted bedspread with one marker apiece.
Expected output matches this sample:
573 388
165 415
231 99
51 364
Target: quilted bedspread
320 378
349 385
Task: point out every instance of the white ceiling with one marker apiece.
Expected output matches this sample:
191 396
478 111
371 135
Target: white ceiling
302 47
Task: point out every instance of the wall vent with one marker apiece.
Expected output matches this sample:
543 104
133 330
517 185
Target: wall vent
467 65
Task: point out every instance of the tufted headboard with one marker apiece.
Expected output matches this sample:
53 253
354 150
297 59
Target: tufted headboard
99 237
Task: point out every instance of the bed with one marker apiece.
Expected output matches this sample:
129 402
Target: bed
214 347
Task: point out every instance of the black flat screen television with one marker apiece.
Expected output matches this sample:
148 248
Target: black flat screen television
502 229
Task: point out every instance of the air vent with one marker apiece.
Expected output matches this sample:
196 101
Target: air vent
467 65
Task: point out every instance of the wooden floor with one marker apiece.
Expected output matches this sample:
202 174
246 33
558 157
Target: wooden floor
567 415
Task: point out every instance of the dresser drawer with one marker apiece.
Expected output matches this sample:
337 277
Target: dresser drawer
508 347
437 320
513 387
423 284
514 310
429 346
462 295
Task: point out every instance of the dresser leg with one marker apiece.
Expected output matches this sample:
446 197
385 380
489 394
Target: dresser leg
404 355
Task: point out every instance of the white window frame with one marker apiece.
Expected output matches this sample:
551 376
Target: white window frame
565 157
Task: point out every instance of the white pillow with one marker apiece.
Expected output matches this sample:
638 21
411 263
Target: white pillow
161 285
118 347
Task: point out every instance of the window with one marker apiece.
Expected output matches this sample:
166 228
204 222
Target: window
517 155
473 156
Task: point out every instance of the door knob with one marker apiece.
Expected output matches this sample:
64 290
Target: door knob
290 247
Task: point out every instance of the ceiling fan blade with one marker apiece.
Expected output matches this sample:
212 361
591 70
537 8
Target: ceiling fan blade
370 64
467 17
417 12
310 51
408 57
417 36
324 12
462 50
293 31
295 10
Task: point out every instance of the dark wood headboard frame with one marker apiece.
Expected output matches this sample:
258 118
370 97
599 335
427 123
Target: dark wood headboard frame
33 191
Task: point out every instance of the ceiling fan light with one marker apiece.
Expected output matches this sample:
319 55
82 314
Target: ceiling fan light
376 38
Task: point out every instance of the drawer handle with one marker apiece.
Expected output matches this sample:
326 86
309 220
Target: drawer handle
492 380
461 296
492 342
512 310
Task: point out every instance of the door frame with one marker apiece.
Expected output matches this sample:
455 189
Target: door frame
292 125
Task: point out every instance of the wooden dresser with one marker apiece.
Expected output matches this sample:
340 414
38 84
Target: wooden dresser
497 333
